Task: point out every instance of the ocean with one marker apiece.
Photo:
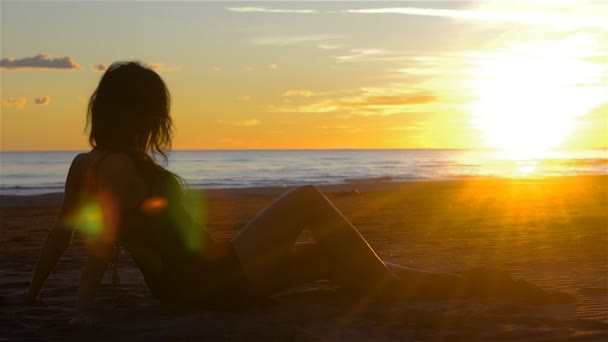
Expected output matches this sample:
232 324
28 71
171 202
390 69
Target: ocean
29 173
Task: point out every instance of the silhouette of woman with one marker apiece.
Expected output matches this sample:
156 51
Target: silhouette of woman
117 193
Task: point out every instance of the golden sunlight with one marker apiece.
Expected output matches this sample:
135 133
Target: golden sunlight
528 99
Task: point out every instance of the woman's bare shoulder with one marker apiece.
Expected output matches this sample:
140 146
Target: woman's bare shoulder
103 165
106 162
113 171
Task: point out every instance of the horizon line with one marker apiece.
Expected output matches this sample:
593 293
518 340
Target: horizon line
326 149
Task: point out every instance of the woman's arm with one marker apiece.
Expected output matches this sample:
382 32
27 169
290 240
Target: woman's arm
119 189
91 276
54 246
58 239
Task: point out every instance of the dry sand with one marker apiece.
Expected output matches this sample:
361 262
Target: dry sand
551 232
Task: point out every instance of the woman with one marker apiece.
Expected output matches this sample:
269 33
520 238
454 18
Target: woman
117 194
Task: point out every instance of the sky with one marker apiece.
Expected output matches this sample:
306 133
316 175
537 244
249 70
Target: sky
516 75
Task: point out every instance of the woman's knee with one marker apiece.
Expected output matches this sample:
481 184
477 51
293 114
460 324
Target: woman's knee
304 201
307 190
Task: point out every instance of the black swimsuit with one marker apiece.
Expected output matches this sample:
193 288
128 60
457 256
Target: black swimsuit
188 275
189 272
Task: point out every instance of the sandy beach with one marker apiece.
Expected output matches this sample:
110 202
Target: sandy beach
551 232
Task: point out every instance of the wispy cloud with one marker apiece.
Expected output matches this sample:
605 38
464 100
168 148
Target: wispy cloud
394 100
418 125
368 101
240 123
100 67
40 62
370 55
43 100
444 64
503 16
17 103
329 46
295 92
243 98
154 66
163 68
293 40
270 10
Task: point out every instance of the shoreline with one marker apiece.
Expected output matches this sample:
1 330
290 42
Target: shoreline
54 199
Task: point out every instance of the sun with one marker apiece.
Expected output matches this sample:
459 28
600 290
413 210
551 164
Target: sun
529 100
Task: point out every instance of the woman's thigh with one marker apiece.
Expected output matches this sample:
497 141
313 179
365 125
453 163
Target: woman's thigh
303 263
268 239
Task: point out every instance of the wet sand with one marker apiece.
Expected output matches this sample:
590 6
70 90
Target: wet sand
551 232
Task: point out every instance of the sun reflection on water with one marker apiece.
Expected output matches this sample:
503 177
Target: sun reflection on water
506 163
526 168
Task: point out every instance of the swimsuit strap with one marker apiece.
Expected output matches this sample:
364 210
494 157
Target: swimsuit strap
91 173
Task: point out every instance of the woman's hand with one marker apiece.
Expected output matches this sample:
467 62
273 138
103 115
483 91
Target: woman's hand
23 298
83 319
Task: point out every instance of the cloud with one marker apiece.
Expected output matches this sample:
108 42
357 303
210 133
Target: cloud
240 123
416 127
329 46
445 65
17 103
162 67
243 98
154 66
371 55
303 93
20 102
293 40
369 101
41 61
43 100
394 100
248 68
216 68
600 59
273 66
100 67
270 10
492 16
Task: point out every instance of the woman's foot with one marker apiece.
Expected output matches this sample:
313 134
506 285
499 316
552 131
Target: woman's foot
488 284
420 286
481 284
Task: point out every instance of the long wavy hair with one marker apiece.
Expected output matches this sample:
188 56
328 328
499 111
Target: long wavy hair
130 112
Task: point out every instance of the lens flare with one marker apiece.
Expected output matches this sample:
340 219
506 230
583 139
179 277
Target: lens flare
154 205
191 220
90 220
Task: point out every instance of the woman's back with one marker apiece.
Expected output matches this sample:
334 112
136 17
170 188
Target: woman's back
105 173
152 224
111 191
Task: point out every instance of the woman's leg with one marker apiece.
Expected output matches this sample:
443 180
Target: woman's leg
421 284
266 245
